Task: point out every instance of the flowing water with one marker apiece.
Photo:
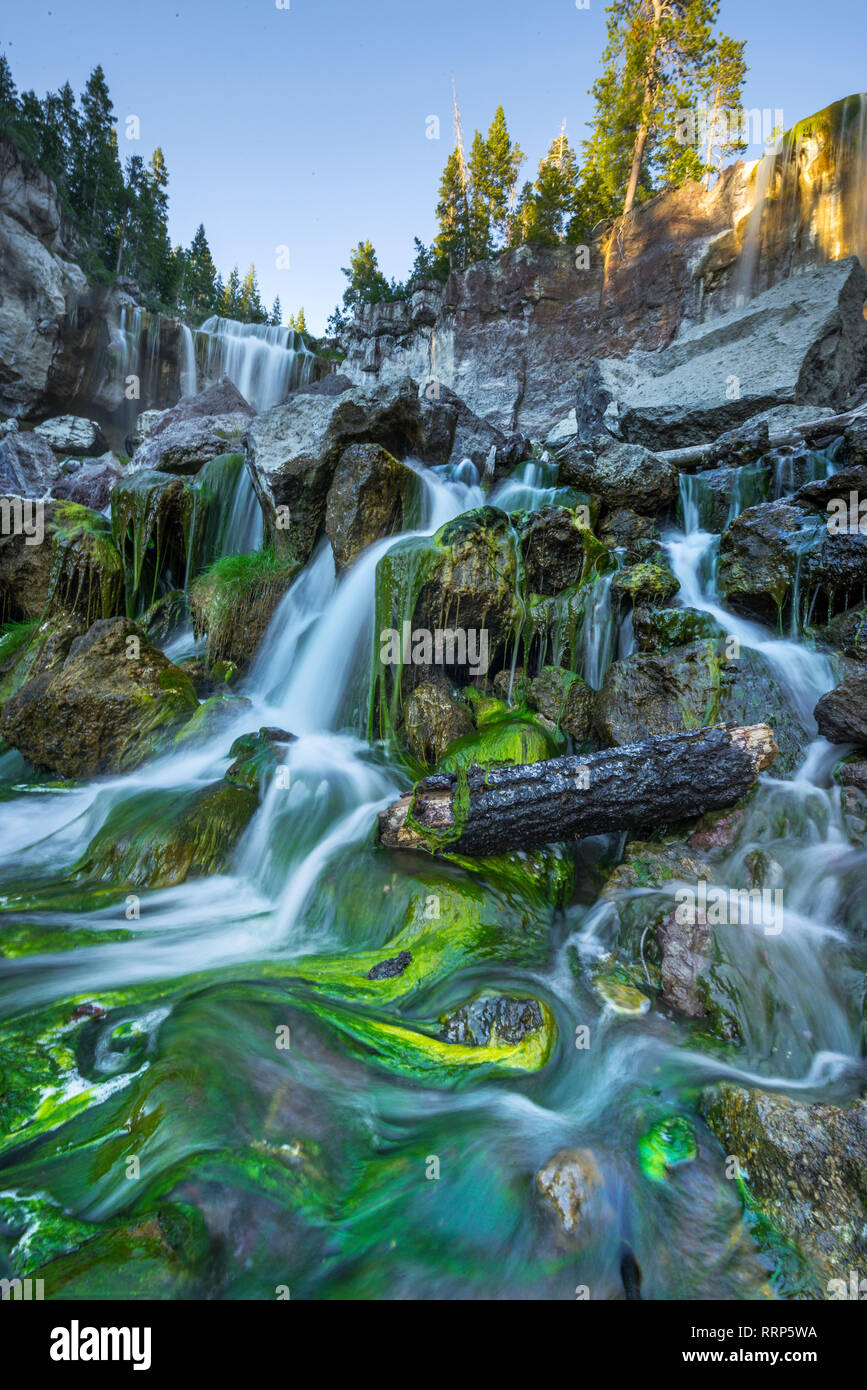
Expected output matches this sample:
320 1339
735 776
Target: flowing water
264 362
220 1032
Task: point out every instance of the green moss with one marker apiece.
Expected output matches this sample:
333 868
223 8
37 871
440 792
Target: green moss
232 602
152 517
513 738
668 1143
212 715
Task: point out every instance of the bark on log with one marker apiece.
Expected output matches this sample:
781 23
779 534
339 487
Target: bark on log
706 455
658 781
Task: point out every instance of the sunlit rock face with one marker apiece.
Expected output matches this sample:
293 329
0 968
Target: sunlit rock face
513 336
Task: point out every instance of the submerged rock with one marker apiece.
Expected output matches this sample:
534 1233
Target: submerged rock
803 1168
498 1018
372 496
569 1183
106 707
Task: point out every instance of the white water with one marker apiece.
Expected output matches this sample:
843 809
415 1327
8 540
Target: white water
264 362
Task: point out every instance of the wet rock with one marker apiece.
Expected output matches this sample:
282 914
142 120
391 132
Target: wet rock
106 707
564 699
635 535
623 475
853 774
391 968
841 713
800 342
718 830
165 618
233 601
151 841
564 432
452 433
569 1183
556 546
433 721
72 435
145 422
74 567
91 484
818 492
500 1018
684 958
769 549
152 524
847 632
294 449
28 465
372 496
659 629
256 758
803 1166
645 583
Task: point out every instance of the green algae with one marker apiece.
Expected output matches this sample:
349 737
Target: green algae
668 1143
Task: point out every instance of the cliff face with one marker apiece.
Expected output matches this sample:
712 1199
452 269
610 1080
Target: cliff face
514 336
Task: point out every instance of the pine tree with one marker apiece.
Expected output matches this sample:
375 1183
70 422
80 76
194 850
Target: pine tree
96 189
230 303
504 162
722 90
453 240
656 54
481 195
301 321
250 307
276 314
555 199
367 284
201 276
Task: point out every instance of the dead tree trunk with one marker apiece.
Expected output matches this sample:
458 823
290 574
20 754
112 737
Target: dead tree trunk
659 781
706 455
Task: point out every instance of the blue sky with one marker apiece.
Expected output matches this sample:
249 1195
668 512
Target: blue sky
306 126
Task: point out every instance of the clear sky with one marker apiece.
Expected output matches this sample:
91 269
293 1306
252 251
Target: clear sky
306 126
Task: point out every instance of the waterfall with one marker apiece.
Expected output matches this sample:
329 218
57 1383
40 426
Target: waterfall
264 362
189 386
744 286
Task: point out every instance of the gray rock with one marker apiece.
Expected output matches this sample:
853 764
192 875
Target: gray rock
371 496
91 484
803 341
841 714
294 448
564 432
187 444
474 1024
223 398
433 720
143 426
28 466
73 435
623 475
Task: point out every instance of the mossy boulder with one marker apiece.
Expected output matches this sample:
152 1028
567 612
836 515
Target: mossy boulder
645 583
563 698
493 1018
256 757
233 600
152 516
803 1171
660 629
109 704
558 550
371 496
74 567
163 1254
636 536
512 739
216 713
433 720
156 840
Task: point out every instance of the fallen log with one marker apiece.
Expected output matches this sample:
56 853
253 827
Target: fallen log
658 781
707 455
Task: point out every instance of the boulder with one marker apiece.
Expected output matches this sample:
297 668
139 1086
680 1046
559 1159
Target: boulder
371 496
803 1166
110 704
223 398
493 1017
188 443
28 465
452 433
433 720
554 544
563 698
91 484
73 436
145 422
75 567
841 714
801 342
294 448
564 432
772 549
623 475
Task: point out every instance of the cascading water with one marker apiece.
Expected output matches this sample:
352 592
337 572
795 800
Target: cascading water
264 362
310 1157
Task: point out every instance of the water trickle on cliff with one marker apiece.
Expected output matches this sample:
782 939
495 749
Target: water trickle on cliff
264 362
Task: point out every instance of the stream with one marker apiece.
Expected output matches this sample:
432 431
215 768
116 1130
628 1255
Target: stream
334 1167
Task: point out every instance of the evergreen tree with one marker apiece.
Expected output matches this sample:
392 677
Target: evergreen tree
8 97
453 239
656 55
367 284
504 162
481 189
96 181
722 91
230 303
301 321
276 313
201 276
549 211
250 307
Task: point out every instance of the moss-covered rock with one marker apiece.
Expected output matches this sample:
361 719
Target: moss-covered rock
233 600
803 1171
75 568
256 758
163 1254
660 629
563 698
647 583
434 719
214 714
559 550
152 524
105 706
155 840
515 738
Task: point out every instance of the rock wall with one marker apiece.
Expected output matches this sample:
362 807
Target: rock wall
514 336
